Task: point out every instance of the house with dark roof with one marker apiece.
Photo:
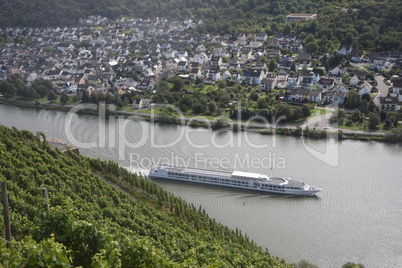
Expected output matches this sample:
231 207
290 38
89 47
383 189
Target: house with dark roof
357 56
336 97
344 50
388 104
326 84
397 86
305 59
253 76
267 84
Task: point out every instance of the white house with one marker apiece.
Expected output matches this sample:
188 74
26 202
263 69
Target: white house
388 104
397 86
226 75
182 66
256 44
338 70
344 49
253 77
326 84
365 88
200 48
314 96
292 81
267 83
214 74
246 53
70 87
201 58
380 64
335 97
342 88
357 56
354 81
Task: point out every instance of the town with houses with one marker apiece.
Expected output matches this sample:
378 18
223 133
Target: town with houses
92 55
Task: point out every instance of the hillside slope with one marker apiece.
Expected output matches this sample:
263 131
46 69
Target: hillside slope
91 223
366 25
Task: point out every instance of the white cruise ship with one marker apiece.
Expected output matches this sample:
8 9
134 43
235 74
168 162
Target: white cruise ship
237 179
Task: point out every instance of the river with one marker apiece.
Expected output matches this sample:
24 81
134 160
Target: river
357 217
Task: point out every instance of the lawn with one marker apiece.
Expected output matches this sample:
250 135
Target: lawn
318 112
361 128
123 108
41 99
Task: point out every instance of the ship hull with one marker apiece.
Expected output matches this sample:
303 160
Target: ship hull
285 192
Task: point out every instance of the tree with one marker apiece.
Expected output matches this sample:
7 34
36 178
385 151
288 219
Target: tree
395 135
304 264
198 108
287 29
221 84
364 107
41 90
30 93
64 98
293 67
374 120
306 111
353 100
353 265
7 89
310 38
51 96
262 103
272 65
218 124
372 107
212 107
284 110
311 47
177 84
85 96
94 97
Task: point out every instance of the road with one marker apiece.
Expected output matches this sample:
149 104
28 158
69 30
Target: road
320 122
382 88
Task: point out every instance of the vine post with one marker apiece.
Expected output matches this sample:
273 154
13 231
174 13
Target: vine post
44 192
6 213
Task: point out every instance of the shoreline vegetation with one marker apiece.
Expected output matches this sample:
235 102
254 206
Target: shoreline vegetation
221 124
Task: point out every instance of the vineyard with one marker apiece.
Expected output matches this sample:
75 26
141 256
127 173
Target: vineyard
90 223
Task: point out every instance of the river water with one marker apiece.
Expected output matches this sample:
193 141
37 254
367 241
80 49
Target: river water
357 217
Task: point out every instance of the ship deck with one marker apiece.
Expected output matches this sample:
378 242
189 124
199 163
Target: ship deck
228 175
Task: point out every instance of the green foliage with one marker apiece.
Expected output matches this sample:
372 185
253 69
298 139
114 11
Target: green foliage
395 135
91 223
272 65
376 25
304 264
51 96
177 84
354 100
353 265
221 84
64 98
374 120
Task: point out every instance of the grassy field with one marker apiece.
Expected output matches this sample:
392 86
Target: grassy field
361 127
318 112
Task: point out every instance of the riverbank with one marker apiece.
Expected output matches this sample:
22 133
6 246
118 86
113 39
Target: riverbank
296 130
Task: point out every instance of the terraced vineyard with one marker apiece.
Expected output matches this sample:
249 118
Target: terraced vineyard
92 223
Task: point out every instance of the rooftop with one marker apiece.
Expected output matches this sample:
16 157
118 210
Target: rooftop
294 15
